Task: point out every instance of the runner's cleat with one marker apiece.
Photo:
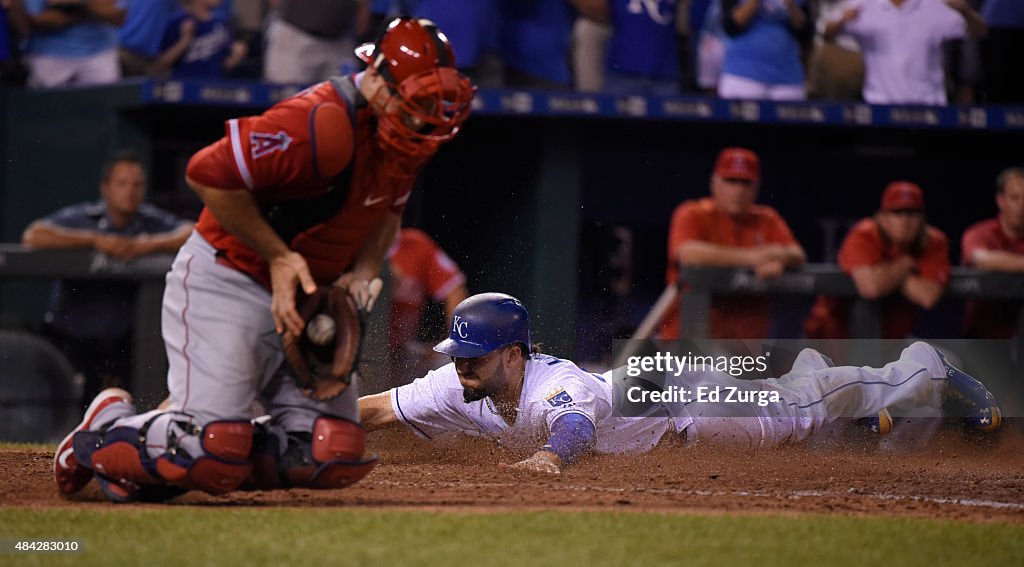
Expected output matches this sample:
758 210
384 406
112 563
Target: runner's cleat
880 423
969 397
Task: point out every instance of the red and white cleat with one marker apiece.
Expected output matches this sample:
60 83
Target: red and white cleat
70 476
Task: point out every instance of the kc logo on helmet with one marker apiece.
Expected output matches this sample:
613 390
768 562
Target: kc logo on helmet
459 326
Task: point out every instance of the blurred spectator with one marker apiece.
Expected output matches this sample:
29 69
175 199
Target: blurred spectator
225 10
643 52
762 55
197 43
247 15
729 230
535 37
421 270
686 68
963 66
710 48
381 12
903 67
311 41
248 24
73 42
998 245
141 35
14 26
894 257
590 39
1001 51
836 68
91 320
472 27
8 35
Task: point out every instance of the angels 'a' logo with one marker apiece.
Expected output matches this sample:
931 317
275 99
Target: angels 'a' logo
261 144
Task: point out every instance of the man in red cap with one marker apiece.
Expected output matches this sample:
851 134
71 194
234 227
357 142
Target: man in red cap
997 244
728 229
894 257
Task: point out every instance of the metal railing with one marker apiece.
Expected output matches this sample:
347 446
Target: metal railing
697 284
149 367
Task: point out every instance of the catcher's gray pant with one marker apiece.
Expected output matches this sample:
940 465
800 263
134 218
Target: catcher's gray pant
813 395
223 352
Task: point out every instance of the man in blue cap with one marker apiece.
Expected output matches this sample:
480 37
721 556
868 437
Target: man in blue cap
499 386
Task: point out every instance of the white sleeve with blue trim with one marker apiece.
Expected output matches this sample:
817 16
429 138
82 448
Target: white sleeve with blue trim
433 405
560 388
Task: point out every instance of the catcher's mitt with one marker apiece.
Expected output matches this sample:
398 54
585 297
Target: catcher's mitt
323 371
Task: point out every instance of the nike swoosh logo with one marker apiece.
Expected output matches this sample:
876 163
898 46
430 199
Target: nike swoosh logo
371 201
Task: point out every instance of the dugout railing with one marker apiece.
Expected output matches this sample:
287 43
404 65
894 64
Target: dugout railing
149 364
698 284
149 367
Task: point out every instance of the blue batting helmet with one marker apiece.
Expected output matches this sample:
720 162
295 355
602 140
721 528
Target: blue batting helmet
484 323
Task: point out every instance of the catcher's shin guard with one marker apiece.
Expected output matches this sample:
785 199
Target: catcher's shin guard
224 466
120 458
329 457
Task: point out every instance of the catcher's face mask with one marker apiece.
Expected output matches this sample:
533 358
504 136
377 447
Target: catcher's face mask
424 111
428 99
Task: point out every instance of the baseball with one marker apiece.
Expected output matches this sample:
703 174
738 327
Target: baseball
320 329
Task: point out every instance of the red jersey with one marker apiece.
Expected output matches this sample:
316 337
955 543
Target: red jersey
864 246
421 269
734 316
289 154
989 319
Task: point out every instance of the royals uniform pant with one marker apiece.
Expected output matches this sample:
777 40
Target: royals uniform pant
223 353
813 395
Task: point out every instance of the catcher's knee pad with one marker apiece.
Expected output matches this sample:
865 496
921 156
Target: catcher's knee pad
329 457
120 456
224 465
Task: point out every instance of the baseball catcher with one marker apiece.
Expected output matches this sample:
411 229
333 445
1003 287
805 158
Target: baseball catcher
304 199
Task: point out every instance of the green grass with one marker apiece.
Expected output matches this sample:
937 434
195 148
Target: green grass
48 447
247 536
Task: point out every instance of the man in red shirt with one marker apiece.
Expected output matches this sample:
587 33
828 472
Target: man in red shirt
894 257
308 194
420 269
728 229
997 244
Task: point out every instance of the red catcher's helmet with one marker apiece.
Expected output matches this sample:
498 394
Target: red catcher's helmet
433 99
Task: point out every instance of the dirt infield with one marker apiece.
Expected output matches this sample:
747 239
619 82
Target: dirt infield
952 476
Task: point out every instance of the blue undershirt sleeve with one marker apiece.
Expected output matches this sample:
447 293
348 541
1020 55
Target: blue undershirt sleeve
572 435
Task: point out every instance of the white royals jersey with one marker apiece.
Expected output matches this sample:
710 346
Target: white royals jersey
433 406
